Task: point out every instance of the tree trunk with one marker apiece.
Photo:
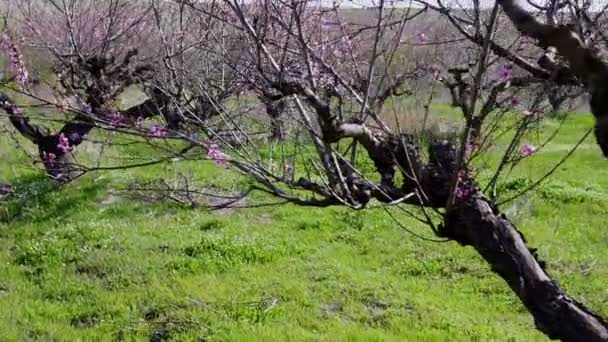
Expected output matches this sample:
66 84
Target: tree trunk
55 154
470 221
159 103
274 110
476 127
476 223
454 96
56 162
556 98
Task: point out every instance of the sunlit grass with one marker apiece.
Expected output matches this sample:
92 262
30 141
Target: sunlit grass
83 262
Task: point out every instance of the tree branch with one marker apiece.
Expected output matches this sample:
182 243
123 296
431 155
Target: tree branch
499 242
21 123
582 61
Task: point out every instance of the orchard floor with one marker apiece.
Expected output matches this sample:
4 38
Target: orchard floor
85 263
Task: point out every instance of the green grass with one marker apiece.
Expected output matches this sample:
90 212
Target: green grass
85 263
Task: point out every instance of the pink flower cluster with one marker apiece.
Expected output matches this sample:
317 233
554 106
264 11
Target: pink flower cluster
15 58
49 157
64 144
157 131
116 119
505 72
527 150
465 186
214 153
462 192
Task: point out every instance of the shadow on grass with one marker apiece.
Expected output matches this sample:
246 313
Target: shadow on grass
37 198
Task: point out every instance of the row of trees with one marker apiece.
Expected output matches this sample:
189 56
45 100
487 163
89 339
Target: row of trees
212 70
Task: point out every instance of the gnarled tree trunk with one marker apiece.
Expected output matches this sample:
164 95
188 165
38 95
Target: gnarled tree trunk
275 110
471 220
477 224
54 149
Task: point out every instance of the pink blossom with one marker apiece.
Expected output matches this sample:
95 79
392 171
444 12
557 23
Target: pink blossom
15 58
116 119
515 101
49 157
527 150
505 73
157 131
465 187
462 192
64 143
227 12
526 113
214 153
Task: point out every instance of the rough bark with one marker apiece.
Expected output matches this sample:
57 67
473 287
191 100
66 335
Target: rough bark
476 223
453 96
57 161
275 105
159 103
471 221
556 99
275 111
476 130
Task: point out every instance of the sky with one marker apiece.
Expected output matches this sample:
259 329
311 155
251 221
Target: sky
596 4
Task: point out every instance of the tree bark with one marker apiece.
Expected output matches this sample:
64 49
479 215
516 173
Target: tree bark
57 161
556 96
274 110
476 223
476 130
455 98
471 220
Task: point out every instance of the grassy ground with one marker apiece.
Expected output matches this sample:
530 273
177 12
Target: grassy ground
85 263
